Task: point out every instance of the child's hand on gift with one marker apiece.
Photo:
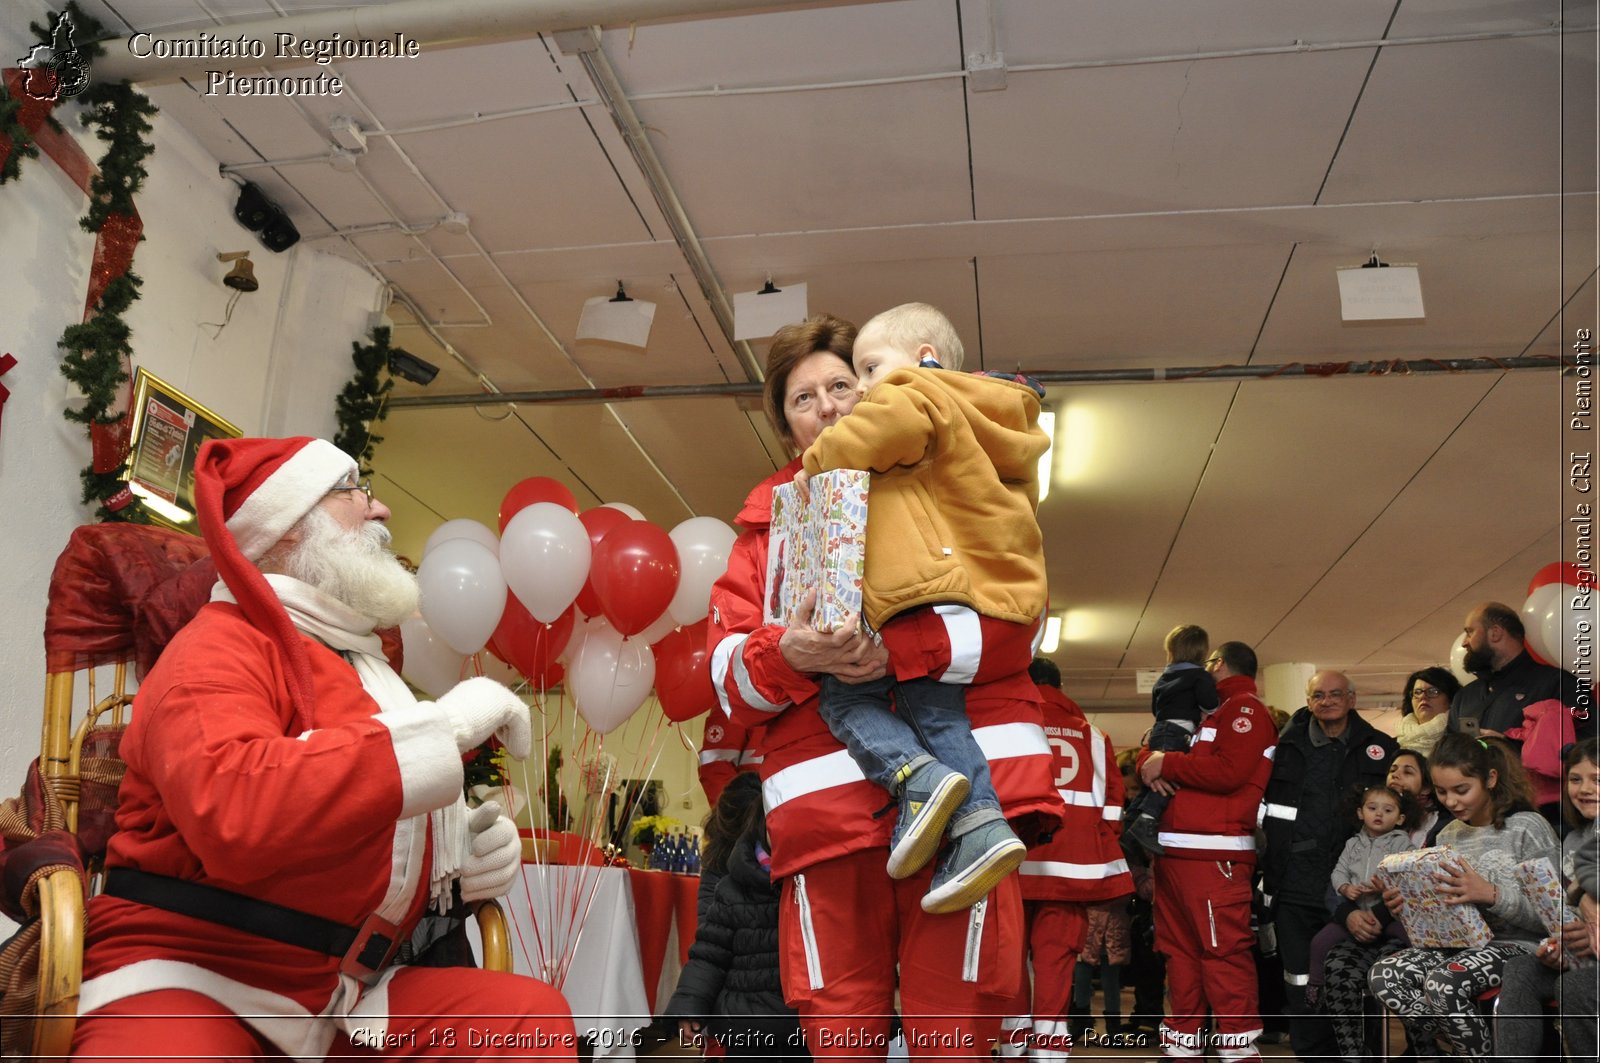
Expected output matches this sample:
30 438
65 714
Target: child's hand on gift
1577 940
802 486
1460 883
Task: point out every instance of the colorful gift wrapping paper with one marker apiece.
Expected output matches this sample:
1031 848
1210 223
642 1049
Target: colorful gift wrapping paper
820 543
1428 920
1541 884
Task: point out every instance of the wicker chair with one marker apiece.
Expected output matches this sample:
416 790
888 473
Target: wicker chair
118 594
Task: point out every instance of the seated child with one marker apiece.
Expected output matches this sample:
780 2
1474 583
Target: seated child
1383 812
954 585
1183 694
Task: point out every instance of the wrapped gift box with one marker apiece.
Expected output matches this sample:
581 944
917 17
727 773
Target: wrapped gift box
1428 920
1541 884
819 543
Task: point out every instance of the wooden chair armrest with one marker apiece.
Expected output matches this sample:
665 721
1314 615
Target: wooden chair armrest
496 940
60 962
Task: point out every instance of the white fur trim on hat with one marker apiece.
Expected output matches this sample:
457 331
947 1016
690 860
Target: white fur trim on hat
287 495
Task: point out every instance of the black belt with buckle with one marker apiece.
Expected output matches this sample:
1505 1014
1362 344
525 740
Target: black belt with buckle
364 951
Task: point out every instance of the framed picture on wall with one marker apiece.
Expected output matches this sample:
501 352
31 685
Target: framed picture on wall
167 429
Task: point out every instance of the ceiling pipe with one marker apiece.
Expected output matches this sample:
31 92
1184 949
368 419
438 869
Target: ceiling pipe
431 23
1173 375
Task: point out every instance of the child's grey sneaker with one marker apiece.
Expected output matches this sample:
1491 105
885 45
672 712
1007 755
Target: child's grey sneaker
927 795
974 864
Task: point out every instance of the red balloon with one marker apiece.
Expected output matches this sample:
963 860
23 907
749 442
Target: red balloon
596 522
683 673
529 646
535 489
1573 575
635 574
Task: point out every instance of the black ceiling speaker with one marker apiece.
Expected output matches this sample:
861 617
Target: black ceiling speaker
265 218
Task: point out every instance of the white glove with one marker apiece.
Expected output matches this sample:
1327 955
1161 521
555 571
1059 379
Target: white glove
480 707
494 854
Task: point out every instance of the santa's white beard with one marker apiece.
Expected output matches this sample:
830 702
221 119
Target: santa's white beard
354 567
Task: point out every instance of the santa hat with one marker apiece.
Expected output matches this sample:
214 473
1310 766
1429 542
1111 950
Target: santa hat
248 493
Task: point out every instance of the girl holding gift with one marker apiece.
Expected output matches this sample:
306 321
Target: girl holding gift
1434 990
1563 966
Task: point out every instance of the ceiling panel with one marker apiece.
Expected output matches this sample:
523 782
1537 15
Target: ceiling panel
1215 133
1188 306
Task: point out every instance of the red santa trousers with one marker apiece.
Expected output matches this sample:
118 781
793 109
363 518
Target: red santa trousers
1202 910
844 925
471 1014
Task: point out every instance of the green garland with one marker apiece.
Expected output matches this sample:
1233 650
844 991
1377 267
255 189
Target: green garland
97 350
362 403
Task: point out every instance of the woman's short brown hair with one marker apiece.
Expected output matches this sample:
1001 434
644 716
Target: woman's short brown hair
792 345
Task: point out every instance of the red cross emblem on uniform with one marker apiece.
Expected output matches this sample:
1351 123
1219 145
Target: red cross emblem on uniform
714 733
1241 724
1375 751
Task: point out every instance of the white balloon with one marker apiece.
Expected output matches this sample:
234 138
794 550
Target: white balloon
632 511
703 546
659 629
463 593
1542 613
499 671
461 528
1458 662
1570 630
430 663
544 553
610 678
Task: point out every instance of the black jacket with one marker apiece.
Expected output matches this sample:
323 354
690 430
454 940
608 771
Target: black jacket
1184 694
1496 700
1306 827
733 964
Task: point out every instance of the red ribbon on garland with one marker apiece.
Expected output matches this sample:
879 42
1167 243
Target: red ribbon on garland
7 363
117 239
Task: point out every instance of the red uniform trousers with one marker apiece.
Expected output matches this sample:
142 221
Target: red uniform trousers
1055 936
1202 911
474 1014
844 925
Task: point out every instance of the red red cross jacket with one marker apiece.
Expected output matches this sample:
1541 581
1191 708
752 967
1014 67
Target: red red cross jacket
1220 779
726 749
1082 861
819 805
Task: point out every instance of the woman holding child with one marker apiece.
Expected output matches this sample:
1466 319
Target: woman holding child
848 930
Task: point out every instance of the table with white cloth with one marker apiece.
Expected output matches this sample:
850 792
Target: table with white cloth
593 920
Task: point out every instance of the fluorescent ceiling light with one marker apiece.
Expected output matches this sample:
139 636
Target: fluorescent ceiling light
1047 421
1052 635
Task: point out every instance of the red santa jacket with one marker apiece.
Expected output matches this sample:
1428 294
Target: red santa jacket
222 789
1220 778
1082 861
726 749
819 805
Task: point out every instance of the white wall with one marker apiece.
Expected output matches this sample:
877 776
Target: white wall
275 369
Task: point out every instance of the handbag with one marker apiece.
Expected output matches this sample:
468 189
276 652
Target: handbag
1547 730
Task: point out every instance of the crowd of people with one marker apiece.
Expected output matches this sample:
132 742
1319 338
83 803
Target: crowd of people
1254 840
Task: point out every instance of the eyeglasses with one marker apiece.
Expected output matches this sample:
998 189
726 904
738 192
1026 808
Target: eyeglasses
364 486
1212 662
1425 692
1328 695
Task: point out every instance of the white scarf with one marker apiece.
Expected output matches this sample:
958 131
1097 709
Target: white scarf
347 633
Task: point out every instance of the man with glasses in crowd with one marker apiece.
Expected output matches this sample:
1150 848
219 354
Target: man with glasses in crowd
1325 751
